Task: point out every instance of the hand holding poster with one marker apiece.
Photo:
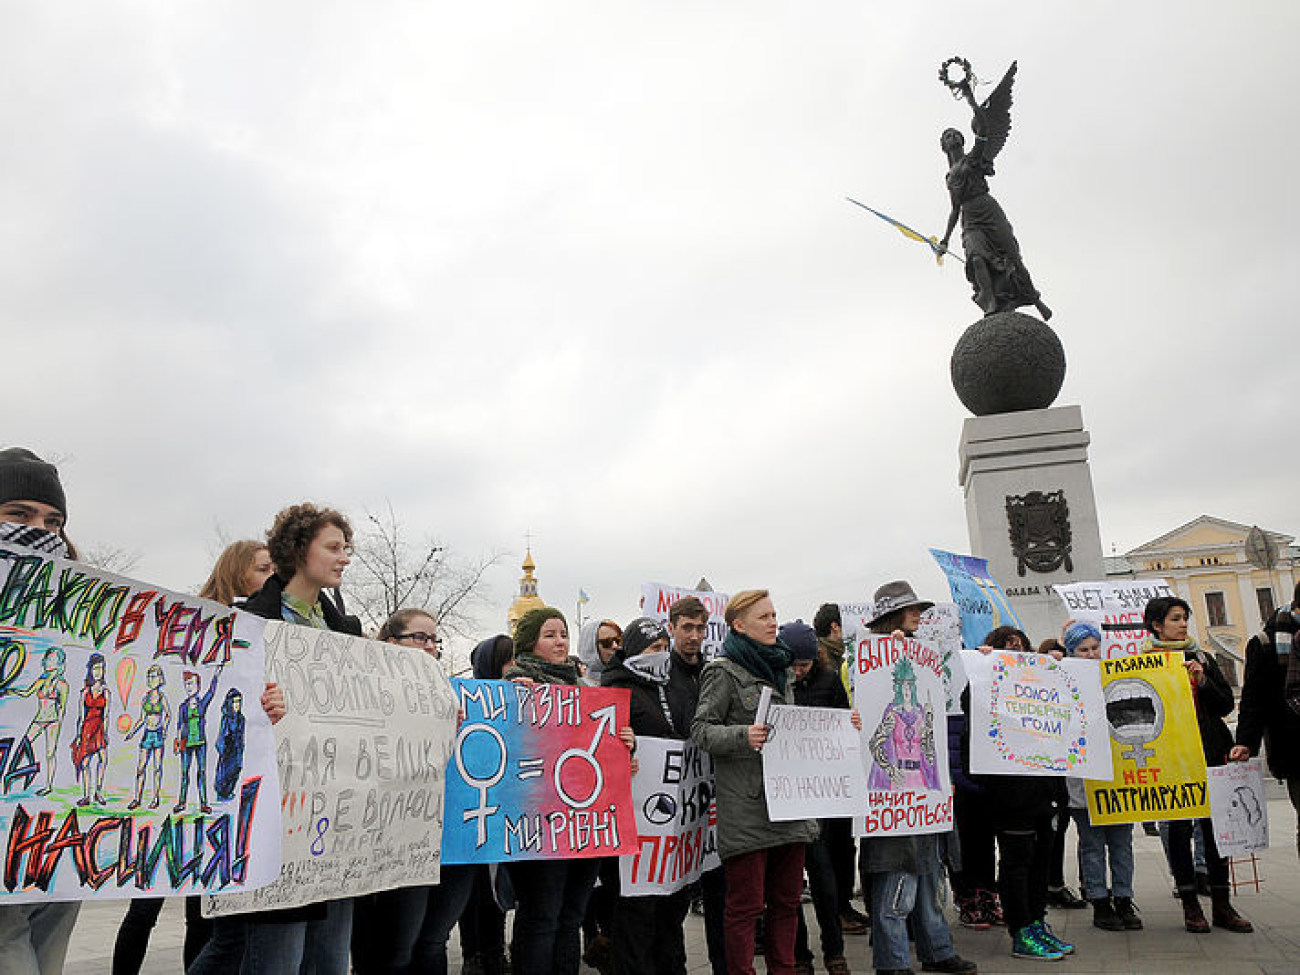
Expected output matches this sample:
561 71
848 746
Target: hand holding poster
1034 715
1239 808
1115 608
539 773
672 794
657 599
134 758
362 752
898 691
983 604
1159 768
812 764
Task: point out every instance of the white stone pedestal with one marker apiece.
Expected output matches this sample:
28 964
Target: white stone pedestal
1012 455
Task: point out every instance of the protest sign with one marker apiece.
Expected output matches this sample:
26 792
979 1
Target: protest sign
941 628
539 773
657 599
1115 608
812 764
135 759
362 752
672 795
898 691
855 622
1239 808
1157 762
980 599
1034 715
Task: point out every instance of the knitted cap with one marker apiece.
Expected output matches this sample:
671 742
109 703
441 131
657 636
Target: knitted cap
25 477
640 633
1076 633
800 638
529 627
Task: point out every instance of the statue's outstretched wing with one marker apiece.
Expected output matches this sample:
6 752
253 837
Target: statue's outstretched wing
994 116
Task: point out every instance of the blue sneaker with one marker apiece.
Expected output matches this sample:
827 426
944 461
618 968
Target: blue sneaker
1046 935
1027 943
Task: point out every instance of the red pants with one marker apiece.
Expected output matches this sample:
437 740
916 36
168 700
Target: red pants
771 879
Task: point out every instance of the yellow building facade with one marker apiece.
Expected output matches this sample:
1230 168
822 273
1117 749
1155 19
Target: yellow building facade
1207 562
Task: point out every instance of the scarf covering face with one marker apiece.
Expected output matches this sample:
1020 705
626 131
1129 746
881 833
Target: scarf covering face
543 671
766 663
37 539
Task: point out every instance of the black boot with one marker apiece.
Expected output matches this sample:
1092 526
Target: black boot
1128 913
1104 915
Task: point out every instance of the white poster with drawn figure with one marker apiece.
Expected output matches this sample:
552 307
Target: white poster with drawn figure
1238 807
941 628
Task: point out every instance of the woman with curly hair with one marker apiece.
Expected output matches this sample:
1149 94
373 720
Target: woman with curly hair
310 547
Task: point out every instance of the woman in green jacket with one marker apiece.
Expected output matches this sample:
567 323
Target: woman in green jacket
763 859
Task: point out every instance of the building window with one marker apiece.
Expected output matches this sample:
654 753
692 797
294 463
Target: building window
1266 607
1216 611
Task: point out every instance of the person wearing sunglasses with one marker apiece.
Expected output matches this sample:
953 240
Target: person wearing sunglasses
598 641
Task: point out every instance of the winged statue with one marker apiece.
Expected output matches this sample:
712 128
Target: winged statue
993 263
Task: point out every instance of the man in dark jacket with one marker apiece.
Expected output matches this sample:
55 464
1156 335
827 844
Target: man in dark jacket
688 624
1263 715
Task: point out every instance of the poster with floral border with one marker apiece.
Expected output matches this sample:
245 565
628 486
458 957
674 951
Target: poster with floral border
1032 714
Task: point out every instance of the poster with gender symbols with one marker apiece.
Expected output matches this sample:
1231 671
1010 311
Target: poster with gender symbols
538 772
1158 765
135 759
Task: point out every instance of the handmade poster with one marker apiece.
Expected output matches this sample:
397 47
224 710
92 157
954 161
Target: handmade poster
135 759
855 620
898 691
657 599
812 764
362 754
941 628
981 601
1115 608
672 796
1239 808
1034 715
539 773
1158 768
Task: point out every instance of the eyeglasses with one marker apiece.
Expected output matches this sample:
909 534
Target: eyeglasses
427 639
609 643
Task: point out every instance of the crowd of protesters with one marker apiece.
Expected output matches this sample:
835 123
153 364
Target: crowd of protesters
1004 859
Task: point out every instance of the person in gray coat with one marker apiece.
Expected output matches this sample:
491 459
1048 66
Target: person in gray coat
763 859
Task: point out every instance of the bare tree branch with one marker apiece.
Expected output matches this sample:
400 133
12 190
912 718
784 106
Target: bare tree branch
111 558
390 572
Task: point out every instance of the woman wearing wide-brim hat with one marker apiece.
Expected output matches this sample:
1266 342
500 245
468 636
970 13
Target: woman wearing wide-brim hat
906 872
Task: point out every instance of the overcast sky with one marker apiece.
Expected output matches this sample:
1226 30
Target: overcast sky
587 270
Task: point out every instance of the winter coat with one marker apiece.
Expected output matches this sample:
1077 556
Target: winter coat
684 692
648 714
1016 800
729 696
820 688
1264 715
1214 702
